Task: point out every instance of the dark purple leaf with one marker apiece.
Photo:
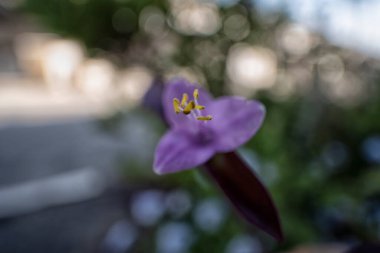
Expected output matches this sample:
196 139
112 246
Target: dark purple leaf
248 195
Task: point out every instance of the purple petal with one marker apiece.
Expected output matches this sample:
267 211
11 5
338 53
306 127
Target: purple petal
179 150
245 191
175 89
235 121
152 98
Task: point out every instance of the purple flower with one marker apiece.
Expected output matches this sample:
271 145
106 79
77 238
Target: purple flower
201 126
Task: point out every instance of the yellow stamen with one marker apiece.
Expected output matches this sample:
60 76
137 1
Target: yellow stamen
176 106
185 97
189 107
196 94
204 118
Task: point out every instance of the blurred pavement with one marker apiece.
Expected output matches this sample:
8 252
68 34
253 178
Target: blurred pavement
57 179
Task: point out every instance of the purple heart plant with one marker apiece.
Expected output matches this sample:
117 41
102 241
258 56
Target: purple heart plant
205 132
202 126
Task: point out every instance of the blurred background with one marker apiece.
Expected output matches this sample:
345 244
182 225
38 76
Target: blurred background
79 96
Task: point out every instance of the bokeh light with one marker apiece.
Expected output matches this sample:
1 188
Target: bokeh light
133 83
295 39
251 68
60 59
174 237
147 207
236 27
29 50
152 20
195 17
95 78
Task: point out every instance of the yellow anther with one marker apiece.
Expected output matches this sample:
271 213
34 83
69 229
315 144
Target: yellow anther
204 118
196 94
189 107
185 97
177 109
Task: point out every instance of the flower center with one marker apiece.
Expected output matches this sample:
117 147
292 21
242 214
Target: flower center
190 107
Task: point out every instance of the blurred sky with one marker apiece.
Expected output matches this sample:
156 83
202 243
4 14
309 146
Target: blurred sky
346 23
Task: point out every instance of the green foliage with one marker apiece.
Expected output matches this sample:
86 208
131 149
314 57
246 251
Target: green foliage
316 201
106 24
